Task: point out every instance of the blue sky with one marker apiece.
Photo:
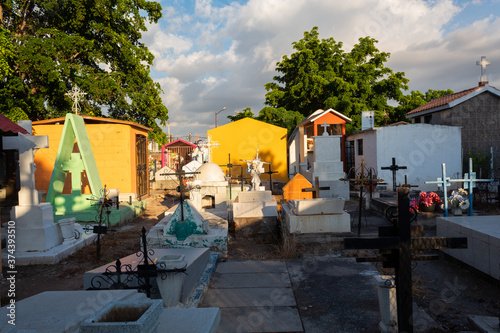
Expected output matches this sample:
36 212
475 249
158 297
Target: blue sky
211 54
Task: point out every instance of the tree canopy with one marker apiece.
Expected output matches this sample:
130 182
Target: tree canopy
320 75
92 44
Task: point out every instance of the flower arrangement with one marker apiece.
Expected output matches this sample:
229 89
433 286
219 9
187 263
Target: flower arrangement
459 199
427 199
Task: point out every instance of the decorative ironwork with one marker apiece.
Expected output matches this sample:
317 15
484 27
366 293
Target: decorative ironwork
119 276
394 168
395 245
363 177
103 205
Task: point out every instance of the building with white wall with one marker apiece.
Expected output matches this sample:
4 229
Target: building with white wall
422 148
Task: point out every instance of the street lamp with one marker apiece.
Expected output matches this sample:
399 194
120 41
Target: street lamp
216 113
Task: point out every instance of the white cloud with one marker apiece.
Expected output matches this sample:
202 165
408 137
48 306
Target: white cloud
222 55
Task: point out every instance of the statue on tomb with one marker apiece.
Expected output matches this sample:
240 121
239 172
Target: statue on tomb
255 168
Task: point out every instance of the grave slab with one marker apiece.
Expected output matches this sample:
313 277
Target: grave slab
45 313
177 320
196 259
483 238
252 266
308 224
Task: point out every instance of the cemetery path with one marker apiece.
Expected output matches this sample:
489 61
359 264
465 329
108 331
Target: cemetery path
68 274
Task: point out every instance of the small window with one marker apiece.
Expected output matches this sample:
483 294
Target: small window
359 149
428 119
417 120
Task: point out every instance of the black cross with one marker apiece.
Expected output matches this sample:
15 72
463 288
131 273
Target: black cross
241 178
394 168
270 173
316 188
180 174
229 166
396 244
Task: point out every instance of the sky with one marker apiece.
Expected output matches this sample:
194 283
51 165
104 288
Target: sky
215 54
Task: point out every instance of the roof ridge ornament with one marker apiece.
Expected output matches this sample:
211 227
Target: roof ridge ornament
483 63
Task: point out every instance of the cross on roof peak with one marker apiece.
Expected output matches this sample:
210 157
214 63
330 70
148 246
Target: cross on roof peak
483 63
76 95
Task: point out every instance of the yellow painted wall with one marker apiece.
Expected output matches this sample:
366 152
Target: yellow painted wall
113 146
241 138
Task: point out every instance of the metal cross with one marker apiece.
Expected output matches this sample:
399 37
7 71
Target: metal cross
270 173
469 183
483 63
76 95
443 182
316 188
394 168
396 245
180 175
241 177
229 166
325 126
210 145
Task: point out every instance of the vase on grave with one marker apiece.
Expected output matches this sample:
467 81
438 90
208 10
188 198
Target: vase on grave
170 284
456 210
427 209
68 230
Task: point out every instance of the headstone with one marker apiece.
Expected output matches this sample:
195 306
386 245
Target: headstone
293 190
35 226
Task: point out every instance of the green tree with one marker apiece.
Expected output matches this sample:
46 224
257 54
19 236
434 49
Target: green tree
246 113
281 117
320 75
414 100
92 44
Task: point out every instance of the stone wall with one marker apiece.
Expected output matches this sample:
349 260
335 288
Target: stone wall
479 118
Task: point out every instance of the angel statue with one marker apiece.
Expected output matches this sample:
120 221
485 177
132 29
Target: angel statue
255 168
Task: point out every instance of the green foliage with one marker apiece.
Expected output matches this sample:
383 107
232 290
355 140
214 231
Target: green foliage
414 100
7 53
481 163
246 113
281 117
320 75
92 44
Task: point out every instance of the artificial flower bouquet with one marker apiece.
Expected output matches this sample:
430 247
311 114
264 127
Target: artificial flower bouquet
427 199
459 199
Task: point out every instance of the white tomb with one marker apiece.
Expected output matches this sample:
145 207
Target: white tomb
322 215
327 165
208 190
36 230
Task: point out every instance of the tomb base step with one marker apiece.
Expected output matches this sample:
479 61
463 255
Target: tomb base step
261 229
124 214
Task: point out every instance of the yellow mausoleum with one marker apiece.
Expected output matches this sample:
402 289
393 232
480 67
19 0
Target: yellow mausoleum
241 138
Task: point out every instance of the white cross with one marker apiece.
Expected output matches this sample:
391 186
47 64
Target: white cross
210 145
76 95
26 145
443 182
325 126
483 63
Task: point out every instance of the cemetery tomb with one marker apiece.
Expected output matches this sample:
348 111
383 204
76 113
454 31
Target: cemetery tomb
209 188
294 188
483 239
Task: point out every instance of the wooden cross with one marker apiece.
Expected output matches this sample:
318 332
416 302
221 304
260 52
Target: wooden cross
180 175
76 95
75 166
270 173
397 246
325 126
469 183
316 188
443 182
394 168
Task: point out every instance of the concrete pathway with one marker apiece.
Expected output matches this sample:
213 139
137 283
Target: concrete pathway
314 294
